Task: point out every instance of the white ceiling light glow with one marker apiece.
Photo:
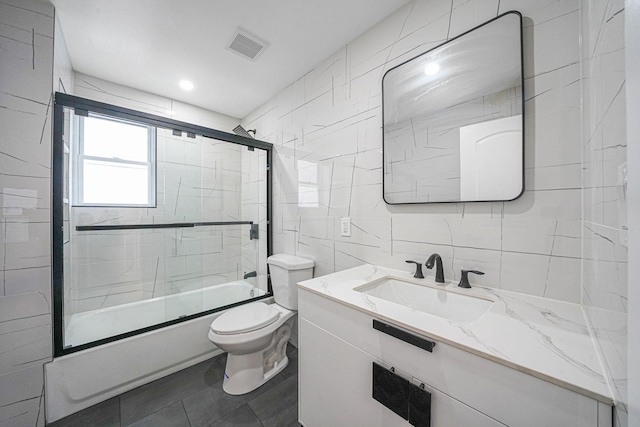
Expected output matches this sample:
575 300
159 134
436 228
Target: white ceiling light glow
186 84
431 69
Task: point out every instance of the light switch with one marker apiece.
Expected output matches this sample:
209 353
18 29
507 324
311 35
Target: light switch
345 227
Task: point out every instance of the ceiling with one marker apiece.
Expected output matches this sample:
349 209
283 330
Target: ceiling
153 44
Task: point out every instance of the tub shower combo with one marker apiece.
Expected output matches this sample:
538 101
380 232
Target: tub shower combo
159 226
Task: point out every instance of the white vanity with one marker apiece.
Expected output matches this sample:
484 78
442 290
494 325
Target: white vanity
503 359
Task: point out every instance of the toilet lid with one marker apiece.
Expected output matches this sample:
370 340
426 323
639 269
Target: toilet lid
245 318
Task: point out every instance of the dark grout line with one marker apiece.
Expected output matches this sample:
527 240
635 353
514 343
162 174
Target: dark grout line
185 412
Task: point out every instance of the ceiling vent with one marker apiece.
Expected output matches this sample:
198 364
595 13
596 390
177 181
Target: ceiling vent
247 45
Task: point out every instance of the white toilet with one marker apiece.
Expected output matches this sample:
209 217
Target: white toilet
255 335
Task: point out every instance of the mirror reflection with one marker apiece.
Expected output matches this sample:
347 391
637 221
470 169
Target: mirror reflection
453 119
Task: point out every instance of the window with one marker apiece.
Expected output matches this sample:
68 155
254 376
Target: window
115 163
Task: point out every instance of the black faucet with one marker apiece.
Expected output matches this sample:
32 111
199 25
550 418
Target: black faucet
464 280
418 274
250 274
439 270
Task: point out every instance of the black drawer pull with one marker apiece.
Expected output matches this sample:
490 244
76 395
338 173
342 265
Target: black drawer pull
403 335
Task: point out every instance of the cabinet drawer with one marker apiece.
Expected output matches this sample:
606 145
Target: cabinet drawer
504 394
336 388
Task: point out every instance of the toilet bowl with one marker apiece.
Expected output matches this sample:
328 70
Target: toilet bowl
255 335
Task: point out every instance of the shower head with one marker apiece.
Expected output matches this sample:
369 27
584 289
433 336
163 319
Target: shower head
239 130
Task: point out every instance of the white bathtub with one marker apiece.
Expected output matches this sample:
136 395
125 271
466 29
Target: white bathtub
79 380
94 325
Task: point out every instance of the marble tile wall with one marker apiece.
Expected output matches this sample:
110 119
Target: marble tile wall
254 208
113 93
26 67
326 128
198 180
604 146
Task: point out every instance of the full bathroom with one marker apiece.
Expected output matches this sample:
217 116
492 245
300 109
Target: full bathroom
250 214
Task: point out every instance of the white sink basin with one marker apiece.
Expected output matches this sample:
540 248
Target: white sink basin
438 302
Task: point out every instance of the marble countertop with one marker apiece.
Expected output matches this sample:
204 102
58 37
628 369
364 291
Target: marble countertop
546 338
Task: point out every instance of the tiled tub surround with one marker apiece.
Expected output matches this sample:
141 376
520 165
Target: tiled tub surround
198 179
547 339
27 70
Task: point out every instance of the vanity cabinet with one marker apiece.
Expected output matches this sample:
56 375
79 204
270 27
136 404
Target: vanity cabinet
338 347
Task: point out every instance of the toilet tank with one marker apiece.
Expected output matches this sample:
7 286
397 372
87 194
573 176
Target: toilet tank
286 271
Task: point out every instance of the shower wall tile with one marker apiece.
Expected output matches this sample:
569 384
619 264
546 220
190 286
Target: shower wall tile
22 398
36 279
27 69
330 120
112 93
27 244
63 76
26 345
198 180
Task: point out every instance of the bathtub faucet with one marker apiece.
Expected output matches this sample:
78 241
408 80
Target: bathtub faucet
250 274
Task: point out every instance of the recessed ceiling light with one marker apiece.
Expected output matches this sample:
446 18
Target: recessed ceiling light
186 84
431 69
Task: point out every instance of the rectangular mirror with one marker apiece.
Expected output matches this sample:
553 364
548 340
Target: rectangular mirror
453 119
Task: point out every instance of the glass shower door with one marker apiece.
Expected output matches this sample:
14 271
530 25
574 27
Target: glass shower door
197 244
216 185
180 189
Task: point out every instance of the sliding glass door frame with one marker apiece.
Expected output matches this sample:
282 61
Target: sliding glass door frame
84 106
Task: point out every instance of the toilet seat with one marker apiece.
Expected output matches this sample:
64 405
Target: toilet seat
245 318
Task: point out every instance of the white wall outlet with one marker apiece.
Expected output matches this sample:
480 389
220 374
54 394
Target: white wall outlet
345 227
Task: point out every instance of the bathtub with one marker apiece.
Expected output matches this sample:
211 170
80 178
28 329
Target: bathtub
78 380
94 325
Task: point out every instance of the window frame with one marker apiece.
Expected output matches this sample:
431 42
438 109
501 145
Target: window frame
80 157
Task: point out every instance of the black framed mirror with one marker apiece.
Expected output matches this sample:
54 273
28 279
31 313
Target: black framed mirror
453 119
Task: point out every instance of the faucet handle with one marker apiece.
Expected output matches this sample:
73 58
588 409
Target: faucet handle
418 274
464 280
